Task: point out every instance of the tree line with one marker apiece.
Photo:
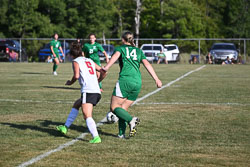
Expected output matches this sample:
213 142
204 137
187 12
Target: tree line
109 18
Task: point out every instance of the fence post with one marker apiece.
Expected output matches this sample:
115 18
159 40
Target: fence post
199 48
20 51
245 50
64 51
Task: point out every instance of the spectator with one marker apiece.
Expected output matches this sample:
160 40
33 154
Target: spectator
193 59
209 59
228 61
161 56
241 61
13 56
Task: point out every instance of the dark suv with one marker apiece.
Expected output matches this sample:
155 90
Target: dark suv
7 45
220 52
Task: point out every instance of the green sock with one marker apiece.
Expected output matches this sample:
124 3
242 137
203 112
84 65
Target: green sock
100 85
55 67
122 126
122 114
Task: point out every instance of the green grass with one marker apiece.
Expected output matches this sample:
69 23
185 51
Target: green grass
201 120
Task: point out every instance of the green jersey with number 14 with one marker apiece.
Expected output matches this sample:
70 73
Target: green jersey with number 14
129 62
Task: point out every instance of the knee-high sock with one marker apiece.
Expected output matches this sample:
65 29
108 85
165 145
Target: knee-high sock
92 127
122 126
55 67
71 118
122 114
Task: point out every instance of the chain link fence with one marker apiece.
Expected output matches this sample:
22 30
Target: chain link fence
37 49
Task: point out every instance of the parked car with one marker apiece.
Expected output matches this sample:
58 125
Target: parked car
45 52
109 49
172 53
151 51
220 51
7 45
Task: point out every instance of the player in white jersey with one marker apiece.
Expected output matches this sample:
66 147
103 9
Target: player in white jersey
85 72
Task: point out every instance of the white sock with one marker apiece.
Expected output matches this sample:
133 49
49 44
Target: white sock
92 126
71 118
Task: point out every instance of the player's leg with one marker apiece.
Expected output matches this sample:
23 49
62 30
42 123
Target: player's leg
87 109
55 65
88 101
71 117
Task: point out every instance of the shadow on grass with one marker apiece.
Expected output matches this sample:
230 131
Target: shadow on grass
38 73
49 127
60 87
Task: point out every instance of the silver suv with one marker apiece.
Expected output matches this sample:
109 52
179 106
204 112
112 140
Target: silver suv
220 52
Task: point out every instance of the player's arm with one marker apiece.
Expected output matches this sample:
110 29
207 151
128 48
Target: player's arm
61 52
76 74
102 72
113 59
106 55
151 71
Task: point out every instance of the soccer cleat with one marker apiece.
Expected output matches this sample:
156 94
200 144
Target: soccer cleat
132 125
54 73
62 128
96 139
121 136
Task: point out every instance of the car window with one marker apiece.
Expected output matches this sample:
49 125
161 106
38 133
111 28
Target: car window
169 48
157 48
2 42
147 48
151 48
224 47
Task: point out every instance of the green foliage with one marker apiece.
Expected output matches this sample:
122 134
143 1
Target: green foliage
109 18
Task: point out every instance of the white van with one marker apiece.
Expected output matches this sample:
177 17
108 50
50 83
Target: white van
151 51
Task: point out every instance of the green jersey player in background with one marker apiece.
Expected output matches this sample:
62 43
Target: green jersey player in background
54 46
129 83
91 49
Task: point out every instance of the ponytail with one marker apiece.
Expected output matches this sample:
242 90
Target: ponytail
128 37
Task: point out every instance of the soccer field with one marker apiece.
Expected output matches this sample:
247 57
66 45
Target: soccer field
202 118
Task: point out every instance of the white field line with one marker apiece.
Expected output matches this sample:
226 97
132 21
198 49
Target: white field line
60 147
187 103
147 103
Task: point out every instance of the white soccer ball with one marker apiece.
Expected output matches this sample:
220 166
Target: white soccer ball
111 117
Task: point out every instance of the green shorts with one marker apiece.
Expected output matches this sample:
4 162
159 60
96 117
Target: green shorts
57 56
127 89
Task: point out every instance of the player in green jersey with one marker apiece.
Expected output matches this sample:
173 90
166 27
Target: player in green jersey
54 46
129 83
91 49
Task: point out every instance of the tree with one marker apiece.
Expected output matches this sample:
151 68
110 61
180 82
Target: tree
137 20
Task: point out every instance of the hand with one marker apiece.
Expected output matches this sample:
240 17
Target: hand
158 83
61 60
103 74
68 82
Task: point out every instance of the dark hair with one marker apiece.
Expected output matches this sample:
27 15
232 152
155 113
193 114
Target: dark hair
128 37
92 34
53 36
76 49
